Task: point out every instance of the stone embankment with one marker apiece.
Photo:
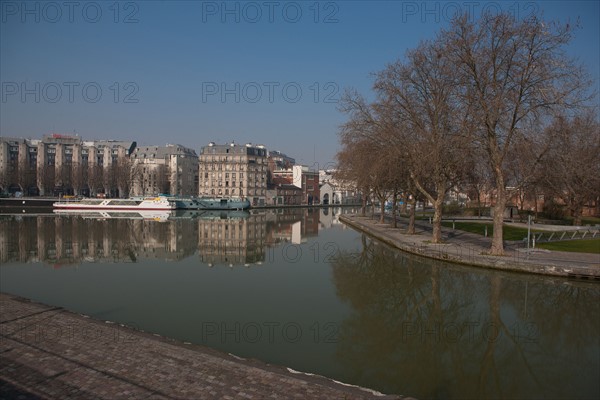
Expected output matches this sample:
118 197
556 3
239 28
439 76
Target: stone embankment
470 249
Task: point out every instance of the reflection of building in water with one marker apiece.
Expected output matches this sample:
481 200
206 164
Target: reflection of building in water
174 240
70 240
234 237
293 225
239 240
329 217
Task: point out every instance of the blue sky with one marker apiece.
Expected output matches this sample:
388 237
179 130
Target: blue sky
266 72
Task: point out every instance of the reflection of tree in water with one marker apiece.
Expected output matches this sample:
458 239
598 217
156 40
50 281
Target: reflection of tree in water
434 330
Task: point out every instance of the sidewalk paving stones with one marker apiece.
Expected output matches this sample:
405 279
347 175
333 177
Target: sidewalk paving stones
50 353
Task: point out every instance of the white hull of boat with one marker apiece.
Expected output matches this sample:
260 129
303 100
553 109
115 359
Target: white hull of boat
154 203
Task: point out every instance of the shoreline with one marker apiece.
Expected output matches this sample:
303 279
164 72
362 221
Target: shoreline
465 248
52 353
47 202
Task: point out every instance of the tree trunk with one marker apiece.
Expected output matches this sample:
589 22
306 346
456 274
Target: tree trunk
437 220
497 248
394 200
372 209
403 206
411 217
363 208
535 202
577 214
382 208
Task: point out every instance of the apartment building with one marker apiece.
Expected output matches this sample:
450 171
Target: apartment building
301 177
63 164
234 170
170 169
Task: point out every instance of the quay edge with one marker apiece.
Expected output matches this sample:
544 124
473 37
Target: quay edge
418 245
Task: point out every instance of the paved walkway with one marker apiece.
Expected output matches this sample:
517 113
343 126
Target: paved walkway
469 248
49 353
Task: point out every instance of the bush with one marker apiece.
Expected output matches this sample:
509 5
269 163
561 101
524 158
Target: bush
476 211
553 210
452 208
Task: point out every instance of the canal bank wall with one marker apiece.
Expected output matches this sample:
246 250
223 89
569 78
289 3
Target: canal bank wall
470 249
49 353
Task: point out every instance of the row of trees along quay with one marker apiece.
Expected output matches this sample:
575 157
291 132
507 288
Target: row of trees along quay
494 103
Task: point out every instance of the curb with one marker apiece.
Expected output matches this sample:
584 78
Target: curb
476 260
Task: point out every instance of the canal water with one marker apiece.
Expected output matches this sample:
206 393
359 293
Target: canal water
297 288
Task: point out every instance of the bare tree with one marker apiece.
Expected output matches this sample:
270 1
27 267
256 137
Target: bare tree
3 179
136 178
122 171
524 169
95 178
46 179
511 72
477 180
360 142
77 178
25 173
420 98
572 166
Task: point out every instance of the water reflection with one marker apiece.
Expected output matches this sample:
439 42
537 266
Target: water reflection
219 237
438 332
325 300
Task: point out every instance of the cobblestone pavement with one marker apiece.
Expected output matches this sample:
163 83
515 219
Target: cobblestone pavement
469 248
49 353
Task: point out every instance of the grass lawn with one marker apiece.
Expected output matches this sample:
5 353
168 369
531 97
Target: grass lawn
578 246
508 232
513 233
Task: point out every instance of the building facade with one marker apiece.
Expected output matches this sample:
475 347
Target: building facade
334 191
233 170
64 164
280 194
170 169
301 177
278 160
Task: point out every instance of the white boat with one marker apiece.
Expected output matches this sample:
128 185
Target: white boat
138 203
147 215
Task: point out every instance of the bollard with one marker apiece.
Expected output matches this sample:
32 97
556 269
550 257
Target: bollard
485 230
